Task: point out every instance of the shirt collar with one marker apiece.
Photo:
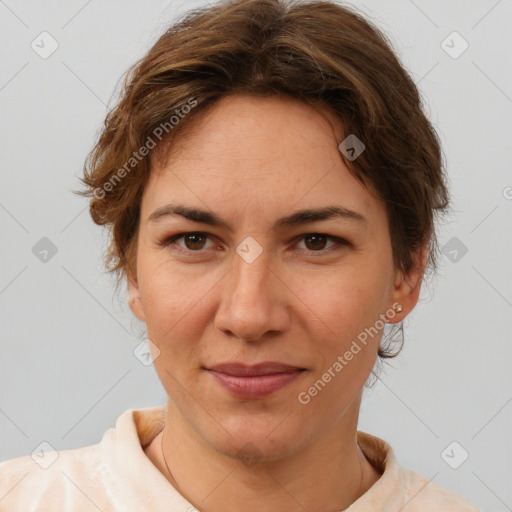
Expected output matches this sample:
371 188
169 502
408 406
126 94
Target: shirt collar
132 477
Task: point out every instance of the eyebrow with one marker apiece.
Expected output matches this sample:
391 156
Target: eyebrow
294 219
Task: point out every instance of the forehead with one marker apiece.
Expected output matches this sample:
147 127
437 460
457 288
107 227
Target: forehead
243 127
265 153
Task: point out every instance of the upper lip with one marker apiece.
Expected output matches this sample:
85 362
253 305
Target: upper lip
245 370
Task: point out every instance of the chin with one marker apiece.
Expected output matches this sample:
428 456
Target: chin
251 449
264 440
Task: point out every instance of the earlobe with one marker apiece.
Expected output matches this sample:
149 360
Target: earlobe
407 286
134 299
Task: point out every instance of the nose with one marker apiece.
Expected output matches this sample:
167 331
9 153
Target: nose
254 301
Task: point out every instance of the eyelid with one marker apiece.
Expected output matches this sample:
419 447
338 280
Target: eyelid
171 239
339 242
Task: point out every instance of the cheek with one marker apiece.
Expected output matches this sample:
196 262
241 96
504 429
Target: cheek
346 338
342 302
174 302
344 309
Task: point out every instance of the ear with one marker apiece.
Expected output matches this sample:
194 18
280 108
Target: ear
407 286
134 299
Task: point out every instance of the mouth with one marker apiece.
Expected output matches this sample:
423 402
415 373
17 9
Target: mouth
254 381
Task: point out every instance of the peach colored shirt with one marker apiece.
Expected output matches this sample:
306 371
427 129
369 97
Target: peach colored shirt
116 475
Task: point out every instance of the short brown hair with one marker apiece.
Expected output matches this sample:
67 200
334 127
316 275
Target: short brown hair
316 51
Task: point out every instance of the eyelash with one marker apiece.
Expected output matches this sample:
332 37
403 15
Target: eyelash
340 242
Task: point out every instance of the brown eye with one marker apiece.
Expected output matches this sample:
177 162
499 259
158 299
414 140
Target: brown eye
194 241
315 241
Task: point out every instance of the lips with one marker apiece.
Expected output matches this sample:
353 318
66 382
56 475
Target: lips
243 370
254 381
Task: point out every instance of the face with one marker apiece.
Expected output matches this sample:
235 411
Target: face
251 289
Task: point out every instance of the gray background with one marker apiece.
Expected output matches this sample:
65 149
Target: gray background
67 368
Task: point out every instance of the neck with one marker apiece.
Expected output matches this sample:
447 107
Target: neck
329 474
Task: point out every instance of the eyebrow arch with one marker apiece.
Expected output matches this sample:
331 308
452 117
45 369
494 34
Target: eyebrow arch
293 219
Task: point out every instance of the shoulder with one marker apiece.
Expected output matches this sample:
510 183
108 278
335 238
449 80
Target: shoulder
52 478
423 495
112 475
400 488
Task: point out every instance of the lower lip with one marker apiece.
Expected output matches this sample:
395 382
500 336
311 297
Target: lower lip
257 386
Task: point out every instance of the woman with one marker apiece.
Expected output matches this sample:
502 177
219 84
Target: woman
271 185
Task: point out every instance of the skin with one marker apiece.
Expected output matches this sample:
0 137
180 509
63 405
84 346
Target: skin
251 161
